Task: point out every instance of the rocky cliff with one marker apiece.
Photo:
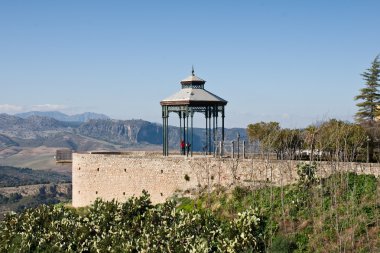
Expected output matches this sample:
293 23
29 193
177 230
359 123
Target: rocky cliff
97 134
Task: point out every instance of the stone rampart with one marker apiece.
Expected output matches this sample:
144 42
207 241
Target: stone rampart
122 175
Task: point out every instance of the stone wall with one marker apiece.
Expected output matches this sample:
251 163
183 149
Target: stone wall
122 175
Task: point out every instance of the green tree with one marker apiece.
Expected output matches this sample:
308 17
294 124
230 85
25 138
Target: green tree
271 138
310 135
341 140
369 107
369 95
287 142
265 133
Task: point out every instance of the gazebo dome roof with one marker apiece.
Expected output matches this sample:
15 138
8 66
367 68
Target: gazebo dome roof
193 79
190 96
193 93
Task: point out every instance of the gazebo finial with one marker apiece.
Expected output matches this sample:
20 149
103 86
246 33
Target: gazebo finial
192 70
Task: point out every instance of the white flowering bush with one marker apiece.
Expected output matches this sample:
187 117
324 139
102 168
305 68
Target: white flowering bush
133 226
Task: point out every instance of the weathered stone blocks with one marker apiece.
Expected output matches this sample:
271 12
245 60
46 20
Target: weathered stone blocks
120 176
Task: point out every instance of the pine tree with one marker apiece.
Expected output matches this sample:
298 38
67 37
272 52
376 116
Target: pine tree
369 107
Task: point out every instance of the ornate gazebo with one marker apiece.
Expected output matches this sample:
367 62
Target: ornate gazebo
190 99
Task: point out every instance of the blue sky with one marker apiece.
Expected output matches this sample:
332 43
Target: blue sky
296 62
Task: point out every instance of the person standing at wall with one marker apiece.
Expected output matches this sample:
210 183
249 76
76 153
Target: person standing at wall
188 146
182 147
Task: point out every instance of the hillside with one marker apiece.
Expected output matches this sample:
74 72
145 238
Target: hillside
95 134
22 188
33 127
11 176
122 132
5 141
83 117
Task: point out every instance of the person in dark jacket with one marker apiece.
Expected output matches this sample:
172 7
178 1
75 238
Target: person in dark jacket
188 146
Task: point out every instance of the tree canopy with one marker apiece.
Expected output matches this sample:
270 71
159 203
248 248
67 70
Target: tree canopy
331 139
369 95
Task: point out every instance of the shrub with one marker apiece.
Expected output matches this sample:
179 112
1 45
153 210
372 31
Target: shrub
307 173
133 226
282 244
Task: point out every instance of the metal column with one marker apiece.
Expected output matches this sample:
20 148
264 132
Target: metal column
167 131
180 130
209 131
206 147
163 132
184 127
165 139
191 147
216 127
223 124
213 130
187 129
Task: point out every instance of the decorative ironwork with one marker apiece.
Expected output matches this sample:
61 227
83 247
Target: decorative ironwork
194 86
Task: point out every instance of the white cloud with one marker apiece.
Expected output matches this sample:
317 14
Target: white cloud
47 107
12 109
7 108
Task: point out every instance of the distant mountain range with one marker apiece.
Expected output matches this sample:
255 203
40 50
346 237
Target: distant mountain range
83 117
35 129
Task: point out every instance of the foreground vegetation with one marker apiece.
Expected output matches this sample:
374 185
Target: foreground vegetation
134 226
337 214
